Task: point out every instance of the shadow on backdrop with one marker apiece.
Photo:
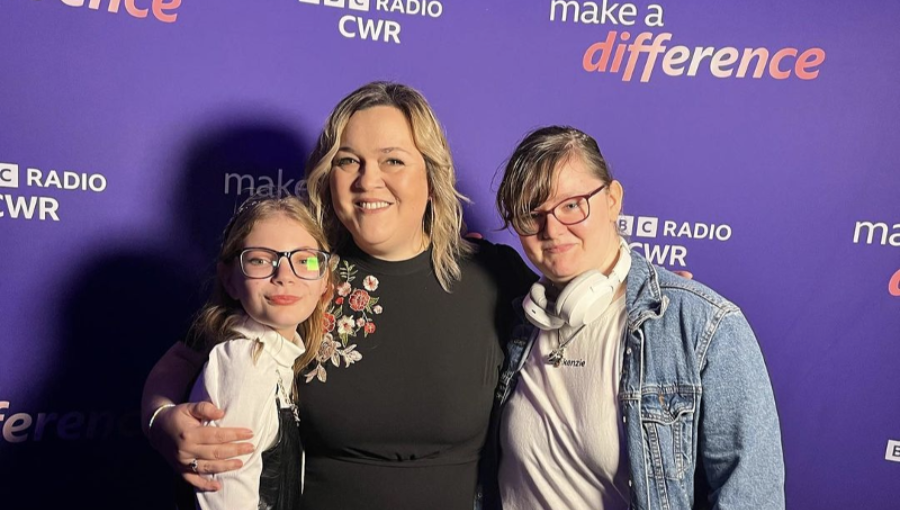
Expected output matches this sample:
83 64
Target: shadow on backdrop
119 314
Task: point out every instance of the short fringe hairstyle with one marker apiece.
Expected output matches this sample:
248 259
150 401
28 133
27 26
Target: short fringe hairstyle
531 170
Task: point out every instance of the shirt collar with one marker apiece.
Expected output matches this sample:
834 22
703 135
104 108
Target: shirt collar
285 352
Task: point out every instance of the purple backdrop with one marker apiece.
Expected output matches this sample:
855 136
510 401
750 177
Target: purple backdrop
126 137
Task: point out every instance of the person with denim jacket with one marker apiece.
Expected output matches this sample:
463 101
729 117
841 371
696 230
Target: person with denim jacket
625 386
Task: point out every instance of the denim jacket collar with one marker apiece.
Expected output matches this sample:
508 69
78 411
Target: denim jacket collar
643 298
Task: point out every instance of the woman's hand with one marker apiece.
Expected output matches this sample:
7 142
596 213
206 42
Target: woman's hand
179 435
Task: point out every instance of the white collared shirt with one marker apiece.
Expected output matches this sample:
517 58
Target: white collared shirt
246 391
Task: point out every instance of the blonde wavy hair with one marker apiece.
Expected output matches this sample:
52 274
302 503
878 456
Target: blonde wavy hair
215 321
443 218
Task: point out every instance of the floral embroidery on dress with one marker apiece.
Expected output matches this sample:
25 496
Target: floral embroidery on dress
346 324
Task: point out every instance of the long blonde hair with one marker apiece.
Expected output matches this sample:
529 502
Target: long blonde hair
443 218
215 322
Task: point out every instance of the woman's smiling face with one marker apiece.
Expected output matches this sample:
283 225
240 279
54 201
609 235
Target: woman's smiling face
379 184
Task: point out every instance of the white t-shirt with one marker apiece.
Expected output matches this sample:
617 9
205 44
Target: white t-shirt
561 440
246 391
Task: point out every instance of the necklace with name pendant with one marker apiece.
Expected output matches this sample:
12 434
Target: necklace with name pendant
558 355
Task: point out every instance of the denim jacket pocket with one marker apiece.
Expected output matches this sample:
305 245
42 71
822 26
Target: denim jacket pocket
667 417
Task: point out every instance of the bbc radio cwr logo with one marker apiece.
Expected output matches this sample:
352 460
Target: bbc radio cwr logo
353 26
42 208
668 254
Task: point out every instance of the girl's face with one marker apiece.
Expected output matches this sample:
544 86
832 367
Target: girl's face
379 185
562 252
283 300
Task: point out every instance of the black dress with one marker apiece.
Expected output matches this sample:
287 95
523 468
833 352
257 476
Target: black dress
401 422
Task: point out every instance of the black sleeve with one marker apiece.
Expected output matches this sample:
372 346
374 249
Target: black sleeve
514 278
519 276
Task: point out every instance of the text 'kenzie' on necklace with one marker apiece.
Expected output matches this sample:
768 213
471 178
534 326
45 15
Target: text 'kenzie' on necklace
558 355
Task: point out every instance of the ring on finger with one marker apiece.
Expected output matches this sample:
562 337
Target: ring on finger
194 466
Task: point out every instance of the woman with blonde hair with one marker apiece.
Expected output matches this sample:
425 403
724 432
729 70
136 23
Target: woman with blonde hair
396 404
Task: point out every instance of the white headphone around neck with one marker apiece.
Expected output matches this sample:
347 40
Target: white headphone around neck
583 299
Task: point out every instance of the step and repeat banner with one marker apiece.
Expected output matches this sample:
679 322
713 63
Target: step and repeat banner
757 143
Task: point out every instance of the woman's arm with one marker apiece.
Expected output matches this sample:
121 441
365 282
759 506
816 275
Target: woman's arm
178 433
739 434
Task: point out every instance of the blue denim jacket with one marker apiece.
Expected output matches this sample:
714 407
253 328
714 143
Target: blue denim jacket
699 415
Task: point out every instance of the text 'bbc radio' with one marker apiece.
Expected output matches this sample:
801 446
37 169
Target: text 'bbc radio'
15 206
669 254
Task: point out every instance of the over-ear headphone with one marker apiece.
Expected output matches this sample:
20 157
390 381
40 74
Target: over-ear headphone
583 299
